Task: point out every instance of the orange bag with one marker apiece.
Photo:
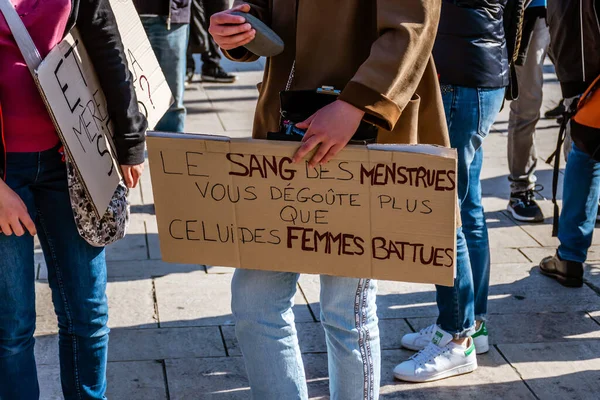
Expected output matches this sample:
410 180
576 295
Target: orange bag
585 123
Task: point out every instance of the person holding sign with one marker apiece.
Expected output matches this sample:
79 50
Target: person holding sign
378 55
34 199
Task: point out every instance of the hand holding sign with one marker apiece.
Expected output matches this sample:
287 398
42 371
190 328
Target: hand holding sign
330 128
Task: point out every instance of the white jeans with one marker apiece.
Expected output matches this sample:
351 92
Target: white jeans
262 305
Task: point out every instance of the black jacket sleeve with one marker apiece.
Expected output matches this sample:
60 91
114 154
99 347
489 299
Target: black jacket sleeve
98 28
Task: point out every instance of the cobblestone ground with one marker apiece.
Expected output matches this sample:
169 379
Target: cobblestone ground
172 329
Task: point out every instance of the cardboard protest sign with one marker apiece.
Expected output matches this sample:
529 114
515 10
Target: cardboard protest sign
78 107
153 93
385 212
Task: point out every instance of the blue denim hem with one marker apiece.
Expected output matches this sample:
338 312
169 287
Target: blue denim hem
465 333
481 317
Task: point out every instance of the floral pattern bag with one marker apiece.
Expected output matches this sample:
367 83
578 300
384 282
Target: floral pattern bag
111 226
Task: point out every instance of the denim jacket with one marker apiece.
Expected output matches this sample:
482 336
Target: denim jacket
97 26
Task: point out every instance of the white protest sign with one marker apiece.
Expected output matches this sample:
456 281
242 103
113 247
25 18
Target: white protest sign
153 93
77 104
78 107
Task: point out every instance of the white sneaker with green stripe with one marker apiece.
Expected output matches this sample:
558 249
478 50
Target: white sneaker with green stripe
419 340
481 340
440 359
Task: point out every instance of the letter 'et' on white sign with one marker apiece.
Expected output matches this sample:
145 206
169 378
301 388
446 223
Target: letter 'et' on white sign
77 104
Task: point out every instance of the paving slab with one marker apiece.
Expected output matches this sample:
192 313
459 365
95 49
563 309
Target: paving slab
127 381
391 331
394 300
567 370
152 239
403 300
521 288
311 337
494 379
163 343
46 321
40 265
135 196
592 277
504 234
236 120
146 184
533 328
131 304
144 269
503 255
542 233
131 247
595 315
536 254
46 349
219 270
203 120
200 299
212 378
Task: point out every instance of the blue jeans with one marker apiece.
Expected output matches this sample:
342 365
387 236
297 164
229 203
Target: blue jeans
262 306
581 190
170 47
470 113
76 275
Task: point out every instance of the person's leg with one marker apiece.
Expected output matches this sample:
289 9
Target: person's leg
262 306
170 47
18 374
77 277
524 115
580 205
456 304
349 316
211 57
476 235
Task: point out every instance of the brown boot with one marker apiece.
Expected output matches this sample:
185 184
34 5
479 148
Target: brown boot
567 273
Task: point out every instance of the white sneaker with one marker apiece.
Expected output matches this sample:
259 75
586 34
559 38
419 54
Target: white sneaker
419 340
440 359
480 338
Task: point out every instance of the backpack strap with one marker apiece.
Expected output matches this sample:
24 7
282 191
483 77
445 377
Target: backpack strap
556 156
570 110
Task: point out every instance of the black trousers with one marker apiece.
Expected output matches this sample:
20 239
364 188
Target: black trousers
200 40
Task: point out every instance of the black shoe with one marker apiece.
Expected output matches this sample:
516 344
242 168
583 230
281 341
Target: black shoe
567 273
217 74
556 112
523 207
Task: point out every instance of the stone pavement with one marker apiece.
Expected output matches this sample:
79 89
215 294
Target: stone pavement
172 329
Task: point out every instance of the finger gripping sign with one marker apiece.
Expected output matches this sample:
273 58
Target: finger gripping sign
381 211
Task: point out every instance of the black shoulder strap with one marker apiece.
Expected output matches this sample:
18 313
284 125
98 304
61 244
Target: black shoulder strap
556 156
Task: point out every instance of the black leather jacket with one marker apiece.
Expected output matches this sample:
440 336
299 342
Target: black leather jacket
97 26
470 49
